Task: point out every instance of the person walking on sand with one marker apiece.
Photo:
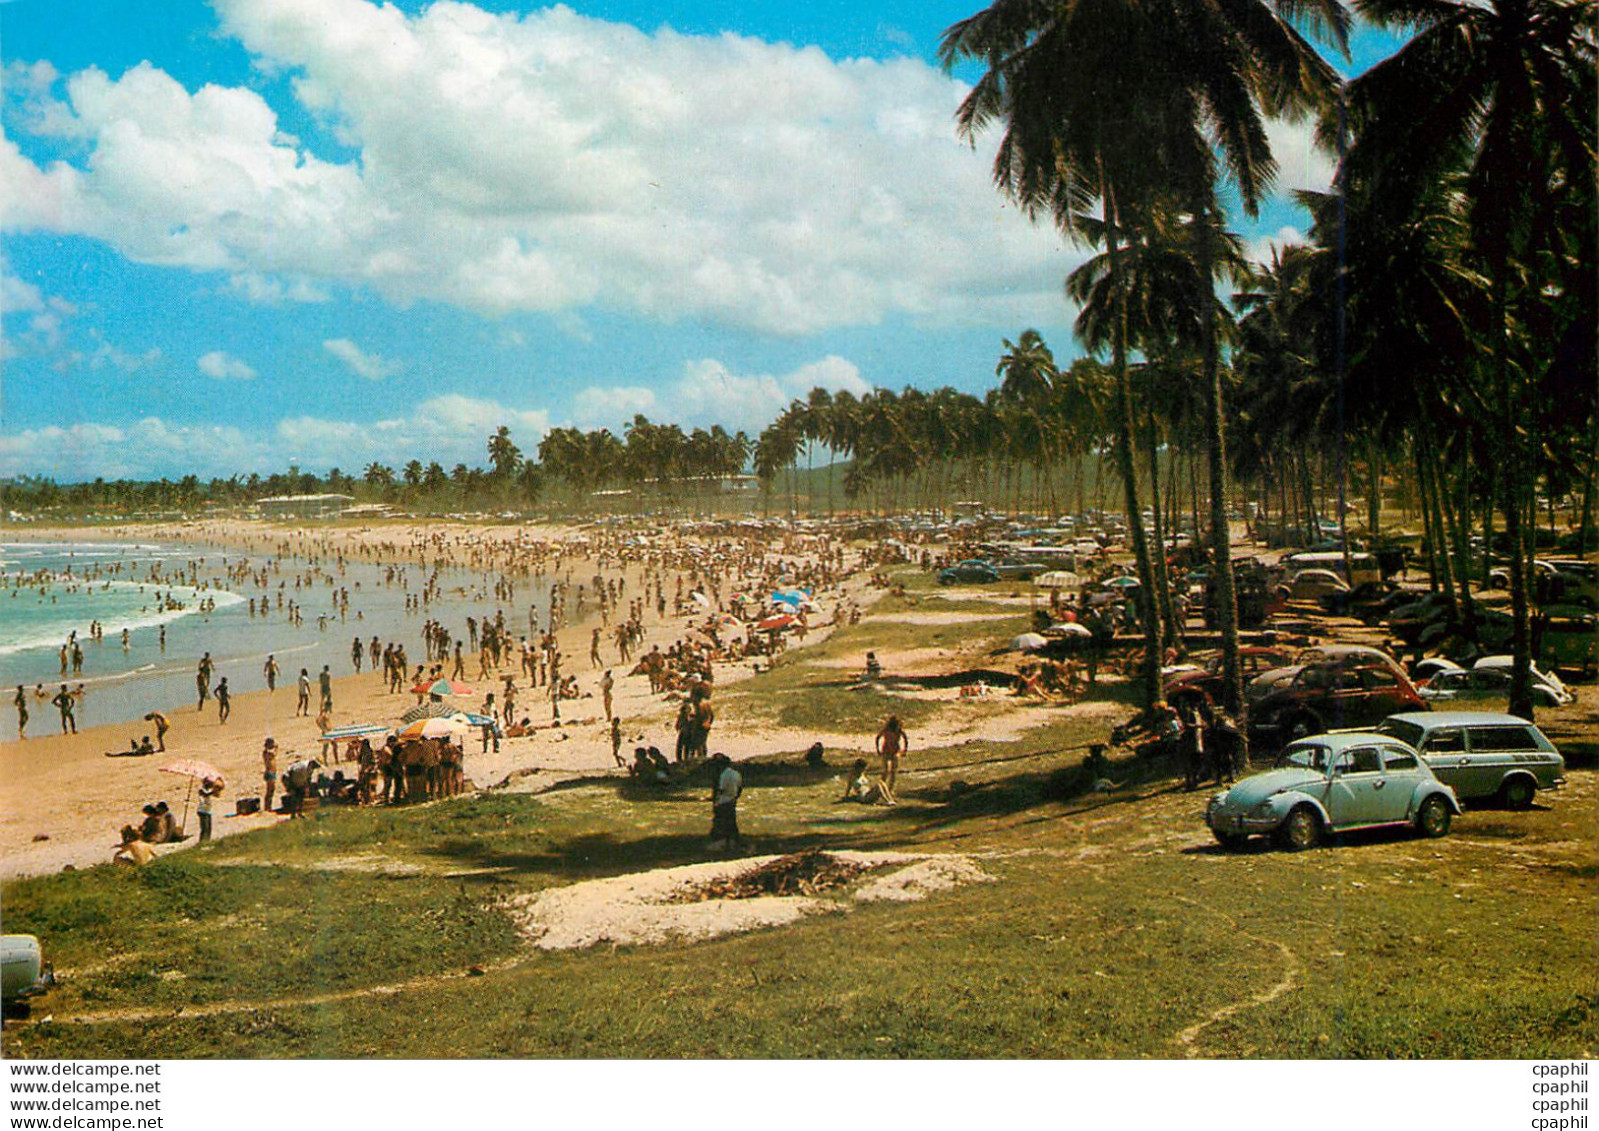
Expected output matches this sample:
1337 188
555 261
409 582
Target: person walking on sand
325 685
161 728
224 700
892 743
303 706
270 670
64 703
616 742
269 771
21 702
607 684
594 651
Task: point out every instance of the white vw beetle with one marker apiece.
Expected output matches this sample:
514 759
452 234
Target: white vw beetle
1332 783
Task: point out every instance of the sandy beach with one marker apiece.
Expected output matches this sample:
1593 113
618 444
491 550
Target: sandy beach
62 800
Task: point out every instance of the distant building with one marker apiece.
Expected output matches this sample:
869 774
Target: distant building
303 506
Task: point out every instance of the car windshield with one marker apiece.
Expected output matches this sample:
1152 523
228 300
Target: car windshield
1311 756
1407 732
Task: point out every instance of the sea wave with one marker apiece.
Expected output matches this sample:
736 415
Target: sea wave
53 633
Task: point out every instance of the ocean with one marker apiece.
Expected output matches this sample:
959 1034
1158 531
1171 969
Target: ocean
199 599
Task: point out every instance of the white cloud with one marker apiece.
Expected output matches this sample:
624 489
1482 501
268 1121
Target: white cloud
220 366
707 393
1301 164
267 290
548 162
1261 250
451 429
362 364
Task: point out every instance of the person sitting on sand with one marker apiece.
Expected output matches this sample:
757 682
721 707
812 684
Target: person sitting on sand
863 788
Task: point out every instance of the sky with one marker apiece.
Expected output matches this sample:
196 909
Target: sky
242 233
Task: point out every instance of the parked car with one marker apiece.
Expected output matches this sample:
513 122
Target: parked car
1482 753
969 572
1486 684
1568 637
1314 585
1204 684
23 971
1332 783
1018 571
1344 688
1540 678
1491 683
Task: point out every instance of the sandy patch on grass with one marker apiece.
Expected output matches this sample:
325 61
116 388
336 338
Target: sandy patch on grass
935 873
646 908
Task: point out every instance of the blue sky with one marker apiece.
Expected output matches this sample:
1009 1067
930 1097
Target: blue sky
248 231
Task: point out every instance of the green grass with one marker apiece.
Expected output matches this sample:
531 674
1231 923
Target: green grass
1113 927
1108 932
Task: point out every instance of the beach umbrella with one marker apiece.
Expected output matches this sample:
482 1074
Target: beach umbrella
1122 583
1059 579
1071 629
191 768
700 599
1028 642
434 728
429 711
442 687
775 624
360 730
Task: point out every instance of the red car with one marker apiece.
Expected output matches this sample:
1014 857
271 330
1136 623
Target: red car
1204 686
1341 688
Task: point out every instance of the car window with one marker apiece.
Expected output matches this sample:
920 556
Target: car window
1312 757
1407 732
1380 677
1346 681
1394 758
1500 738
1315 678
1365 760
1490 680
1447 740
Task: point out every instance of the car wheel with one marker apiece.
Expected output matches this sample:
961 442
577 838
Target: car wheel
1300 830
1433 817
1517 792
1232 842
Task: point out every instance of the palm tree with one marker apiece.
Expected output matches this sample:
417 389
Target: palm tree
1502 91
1109 103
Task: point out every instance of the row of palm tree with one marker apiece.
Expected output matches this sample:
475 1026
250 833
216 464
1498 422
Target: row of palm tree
1452 262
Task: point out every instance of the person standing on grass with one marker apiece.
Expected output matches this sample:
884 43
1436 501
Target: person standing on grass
21 702
64 702
270 670
892 744
728 785
303 706
161 728
224 700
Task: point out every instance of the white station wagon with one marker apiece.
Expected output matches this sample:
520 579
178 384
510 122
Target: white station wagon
1482 753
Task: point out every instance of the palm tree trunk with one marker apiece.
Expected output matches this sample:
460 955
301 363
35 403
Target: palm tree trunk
1125 431
1216 443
